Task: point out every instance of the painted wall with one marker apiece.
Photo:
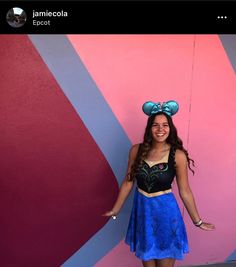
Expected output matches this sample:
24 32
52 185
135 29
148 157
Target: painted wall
70 111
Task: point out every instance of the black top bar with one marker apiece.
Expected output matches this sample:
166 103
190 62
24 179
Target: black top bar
121 17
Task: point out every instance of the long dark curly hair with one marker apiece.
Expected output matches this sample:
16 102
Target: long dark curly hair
145 147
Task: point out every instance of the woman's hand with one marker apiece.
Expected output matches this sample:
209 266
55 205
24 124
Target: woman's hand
207 226
110 213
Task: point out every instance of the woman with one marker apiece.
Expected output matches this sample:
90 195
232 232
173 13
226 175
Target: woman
156 231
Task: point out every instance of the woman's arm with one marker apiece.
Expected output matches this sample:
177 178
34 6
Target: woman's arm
126 185
185 191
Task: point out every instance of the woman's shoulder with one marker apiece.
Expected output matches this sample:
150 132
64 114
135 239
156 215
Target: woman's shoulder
134 150
180 156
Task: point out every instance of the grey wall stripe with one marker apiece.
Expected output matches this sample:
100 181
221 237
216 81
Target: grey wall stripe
78 86
229 43
231 257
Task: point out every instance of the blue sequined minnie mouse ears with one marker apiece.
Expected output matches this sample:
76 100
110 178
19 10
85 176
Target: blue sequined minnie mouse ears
170 107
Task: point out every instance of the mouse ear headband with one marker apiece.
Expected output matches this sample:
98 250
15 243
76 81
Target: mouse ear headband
170 107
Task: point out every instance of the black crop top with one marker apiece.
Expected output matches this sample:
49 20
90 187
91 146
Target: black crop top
159 177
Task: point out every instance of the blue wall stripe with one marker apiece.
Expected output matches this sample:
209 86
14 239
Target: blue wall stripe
82 92
229 43
231 257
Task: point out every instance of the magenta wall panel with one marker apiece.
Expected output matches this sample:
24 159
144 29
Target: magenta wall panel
53 175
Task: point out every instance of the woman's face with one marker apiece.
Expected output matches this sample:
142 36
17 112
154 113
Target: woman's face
160 129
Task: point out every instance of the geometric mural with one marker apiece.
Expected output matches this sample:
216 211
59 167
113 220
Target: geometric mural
70 111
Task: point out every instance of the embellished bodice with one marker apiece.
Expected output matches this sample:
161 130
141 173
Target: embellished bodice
158 177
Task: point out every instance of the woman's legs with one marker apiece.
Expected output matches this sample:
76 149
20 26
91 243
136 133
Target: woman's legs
165 263
150 263
159 263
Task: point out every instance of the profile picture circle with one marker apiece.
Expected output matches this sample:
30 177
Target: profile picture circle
16 17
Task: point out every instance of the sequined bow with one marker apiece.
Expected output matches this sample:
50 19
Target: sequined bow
170 107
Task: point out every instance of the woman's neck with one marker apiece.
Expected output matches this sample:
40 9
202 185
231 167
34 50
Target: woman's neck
160 146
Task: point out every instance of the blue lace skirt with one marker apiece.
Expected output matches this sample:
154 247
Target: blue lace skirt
156 229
